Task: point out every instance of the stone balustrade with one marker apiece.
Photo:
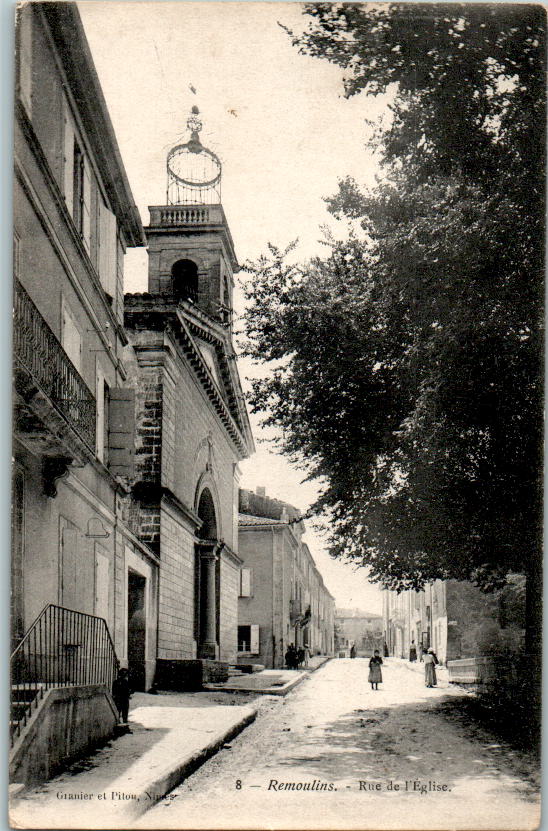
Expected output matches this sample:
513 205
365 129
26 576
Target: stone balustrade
178 215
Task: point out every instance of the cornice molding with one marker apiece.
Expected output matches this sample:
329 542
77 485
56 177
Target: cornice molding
153 312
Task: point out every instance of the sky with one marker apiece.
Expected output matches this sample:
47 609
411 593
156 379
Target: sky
284 132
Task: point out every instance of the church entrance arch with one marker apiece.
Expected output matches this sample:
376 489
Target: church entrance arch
207 577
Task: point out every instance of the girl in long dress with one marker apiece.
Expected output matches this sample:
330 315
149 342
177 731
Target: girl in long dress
430 662
375 674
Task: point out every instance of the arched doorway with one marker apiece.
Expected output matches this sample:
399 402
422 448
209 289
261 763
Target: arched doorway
207 580
184 275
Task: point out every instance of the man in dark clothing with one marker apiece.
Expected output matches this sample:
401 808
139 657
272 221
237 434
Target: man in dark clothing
121 692
291 657
300 656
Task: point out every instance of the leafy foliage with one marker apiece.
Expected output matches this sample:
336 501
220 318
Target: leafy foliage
405 367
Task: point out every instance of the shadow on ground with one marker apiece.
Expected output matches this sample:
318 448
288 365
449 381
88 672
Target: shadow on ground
406 743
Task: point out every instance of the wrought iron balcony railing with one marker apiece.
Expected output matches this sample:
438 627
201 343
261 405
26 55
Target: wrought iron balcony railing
39 352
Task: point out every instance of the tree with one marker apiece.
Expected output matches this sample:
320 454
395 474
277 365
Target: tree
407 364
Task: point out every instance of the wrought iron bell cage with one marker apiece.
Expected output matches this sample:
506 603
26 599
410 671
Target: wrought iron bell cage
193 171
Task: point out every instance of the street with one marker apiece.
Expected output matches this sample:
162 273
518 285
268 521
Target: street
335 754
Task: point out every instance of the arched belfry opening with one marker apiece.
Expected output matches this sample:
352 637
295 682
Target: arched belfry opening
184 276
207 580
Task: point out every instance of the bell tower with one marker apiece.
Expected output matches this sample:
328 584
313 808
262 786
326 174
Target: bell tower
191 253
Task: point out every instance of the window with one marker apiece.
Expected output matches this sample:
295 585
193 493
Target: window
71 339
244 638
16 249
115 427
77 180
248 639
107 264
106 424
78 188
184 274
245 582
25 56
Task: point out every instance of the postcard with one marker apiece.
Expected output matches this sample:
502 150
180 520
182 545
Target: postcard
278 284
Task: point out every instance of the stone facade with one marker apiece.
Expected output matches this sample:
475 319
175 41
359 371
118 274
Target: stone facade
283 598
363 630
74 217
191 431
126 440
455 618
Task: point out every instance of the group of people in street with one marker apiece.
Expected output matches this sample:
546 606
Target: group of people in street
428 656
295 657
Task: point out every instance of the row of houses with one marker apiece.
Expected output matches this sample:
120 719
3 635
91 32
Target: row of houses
283 599
456 619
129 420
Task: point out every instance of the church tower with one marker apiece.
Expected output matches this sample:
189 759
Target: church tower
192 424
191 253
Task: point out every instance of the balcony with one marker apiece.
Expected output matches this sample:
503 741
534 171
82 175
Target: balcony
179 215
55 411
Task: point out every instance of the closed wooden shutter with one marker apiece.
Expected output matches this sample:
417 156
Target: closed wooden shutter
25 57
245 582
70 571
254 645
101 582
107 250
71 339
68 154
121 451
86 206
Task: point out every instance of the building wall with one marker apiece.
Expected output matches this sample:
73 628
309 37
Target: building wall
256 550
176 599
228 612
454 617
75 270
287 586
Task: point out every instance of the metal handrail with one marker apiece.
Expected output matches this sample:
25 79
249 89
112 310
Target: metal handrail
38 350
62 648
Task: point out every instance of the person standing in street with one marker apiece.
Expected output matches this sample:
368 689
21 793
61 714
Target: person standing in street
121 693
412 652
353 651
430 661
300 657
375 674
291 657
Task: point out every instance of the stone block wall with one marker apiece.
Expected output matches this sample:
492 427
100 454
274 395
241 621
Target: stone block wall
148 437
228 612
176 589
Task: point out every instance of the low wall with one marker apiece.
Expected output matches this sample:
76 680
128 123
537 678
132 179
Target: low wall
68 722
188 674
471 671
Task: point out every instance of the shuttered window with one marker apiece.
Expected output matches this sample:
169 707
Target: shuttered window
71 339
107 250
245 582
248 639
254 646
25 56
77 180
68 159
121 435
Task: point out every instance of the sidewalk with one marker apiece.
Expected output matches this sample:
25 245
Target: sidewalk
171 735
270 681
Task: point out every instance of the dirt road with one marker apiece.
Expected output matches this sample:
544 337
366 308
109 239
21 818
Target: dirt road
335 754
